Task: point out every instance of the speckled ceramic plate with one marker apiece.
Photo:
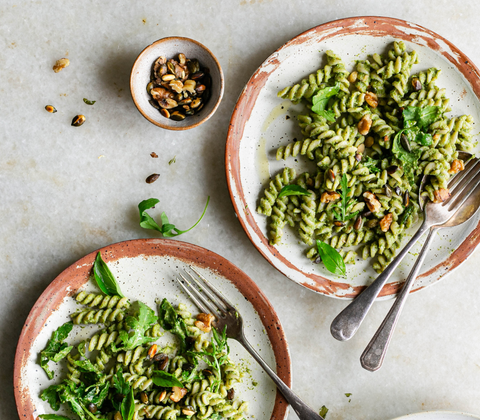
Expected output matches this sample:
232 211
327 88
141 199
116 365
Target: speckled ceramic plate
145 270
260 124
438 415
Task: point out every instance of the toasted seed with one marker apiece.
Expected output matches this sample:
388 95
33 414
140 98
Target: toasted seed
158 357
186 101
188 410
182 59
352 77
331 175
372 223
406 199
144 397
193 66
358 157
117 416
230 394
160 397
152 178
153 103
61 64
168 103
149 87
388 191
51 109
198 75
159 93
398 191
168 77
165 113
199 108
358 223
171 66
176 85
177 116
153 348
405 143
417 84
371 99
196 103
361 148
200 89
189 112
163 70
392 169
92 408
338 223
162 363
369 141
364 124
189 86
318 260
78 120
366 214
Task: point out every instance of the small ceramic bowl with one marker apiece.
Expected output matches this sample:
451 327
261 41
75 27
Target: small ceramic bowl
170 48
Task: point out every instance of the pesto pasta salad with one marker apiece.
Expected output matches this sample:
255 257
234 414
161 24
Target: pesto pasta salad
372 133
127 371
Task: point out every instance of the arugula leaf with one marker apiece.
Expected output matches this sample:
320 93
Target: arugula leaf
371 164
88 102
105 278
170 321
320 101
52 417
293 190
422 117
56 349
86 366
120 384
425 139
167 229
167 380
139 322
346 203
323 411
127 409
50 395
409 159
332 260
96 394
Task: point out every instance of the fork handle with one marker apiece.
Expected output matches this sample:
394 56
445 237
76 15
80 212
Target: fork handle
347 322
372 357
304 412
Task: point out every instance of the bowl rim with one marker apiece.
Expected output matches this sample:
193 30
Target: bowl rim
316 282
139 59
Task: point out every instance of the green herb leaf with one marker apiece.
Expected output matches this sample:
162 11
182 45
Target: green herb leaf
348 394
56 349
120 384
138 323
371 164
321 98
332 260
167 229
167 380
328 115
53 417
424 139
423 117
346 202
127 409
51 396
323 411
88 102
104 277
293 190
406 214
172 322
409 159
173 160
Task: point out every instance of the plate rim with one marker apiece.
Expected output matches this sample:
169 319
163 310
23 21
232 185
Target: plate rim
147 247
420 413
312 281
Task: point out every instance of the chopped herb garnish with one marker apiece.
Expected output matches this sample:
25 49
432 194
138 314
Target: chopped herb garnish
88 102
332 260
173 160
371 164
323 411
167 229
293 190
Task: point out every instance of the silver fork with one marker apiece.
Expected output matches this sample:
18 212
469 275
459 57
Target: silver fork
209 300
347 322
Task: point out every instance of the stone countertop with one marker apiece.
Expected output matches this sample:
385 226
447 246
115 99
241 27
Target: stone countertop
67 191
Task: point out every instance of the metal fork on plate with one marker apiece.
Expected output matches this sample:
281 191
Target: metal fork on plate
209 300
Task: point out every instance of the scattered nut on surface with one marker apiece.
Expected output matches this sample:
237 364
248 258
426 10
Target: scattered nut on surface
78 120
441 195
456 166
371 99
153 155
204 322
386 222
61 64
51 109
364 124
152 178
177 393
327 196
372 203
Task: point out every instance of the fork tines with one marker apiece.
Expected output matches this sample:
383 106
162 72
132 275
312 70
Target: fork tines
204 294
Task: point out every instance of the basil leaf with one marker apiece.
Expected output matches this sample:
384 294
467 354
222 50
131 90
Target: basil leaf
332 260
171 322
424 139
104 277
167 380
51 396
56 349
422 116
323 411
127 408
168 230
293 190
88 102
320 99
52 417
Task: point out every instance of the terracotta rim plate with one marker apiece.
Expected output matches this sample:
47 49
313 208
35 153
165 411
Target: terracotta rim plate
261 123
145 270
439 415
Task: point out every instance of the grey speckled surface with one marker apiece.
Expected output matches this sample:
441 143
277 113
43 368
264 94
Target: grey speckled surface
66 191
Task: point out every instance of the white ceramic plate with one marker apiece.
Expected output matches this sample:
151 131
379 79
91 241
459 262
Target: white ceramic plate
438 415
145 270
259 126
